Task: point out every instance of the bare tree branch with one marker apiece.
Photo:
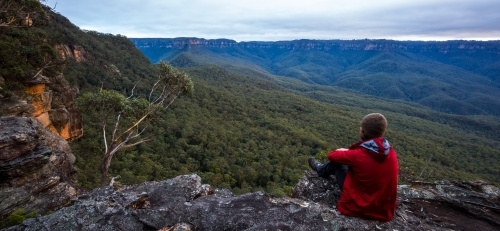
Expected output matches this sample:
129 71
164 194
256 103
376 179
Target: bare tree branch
113 180
169 85
104 136
116 126
47 65
171 101
132 94
138 142
8 22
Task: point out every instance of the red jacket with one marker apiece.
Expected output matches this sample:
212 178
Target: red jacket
370 187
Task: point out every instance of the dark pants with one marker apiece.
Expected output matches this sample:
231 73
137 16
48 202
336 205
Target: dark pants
331 168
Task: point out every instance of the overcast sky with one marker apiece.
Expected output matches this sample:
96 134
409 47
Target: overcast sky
273 20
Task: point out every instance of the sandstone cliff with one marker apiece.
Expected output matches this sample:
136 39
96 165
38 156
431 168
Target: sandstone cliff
75 52
54 107
50 100
36 168
184 203
325 45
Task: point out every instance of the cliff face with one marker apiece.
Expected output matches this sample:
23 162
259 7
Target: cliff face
36 168
54 107
325 45
181 43
183 203
50 100
75 52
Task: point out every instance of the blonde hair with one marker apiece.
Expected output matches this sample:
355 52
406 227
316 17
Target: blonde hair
373 125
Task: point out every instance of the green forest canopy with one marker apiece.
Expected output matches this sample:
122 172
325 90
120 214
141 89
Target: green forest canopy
246 130
250 134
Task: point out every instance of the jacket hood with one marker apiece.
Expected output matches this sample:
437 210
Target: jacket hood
378 148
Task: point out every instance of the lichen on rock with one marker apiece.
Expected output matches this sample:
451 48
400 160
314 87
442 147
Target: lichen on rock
184 203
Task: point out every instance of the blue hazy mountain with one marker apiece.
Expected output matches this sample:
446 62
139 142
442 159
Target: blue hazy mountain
458 77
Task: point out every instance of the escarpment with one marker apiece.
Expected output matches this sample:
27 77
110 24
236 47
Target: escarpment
323 45
75 52
38 118
50 100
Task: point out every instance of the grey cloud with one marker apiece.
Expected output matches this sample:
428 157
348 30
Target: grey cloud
459 19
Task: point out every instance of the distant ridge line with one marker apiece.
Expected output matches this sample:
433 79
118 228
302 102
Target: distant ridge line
467 46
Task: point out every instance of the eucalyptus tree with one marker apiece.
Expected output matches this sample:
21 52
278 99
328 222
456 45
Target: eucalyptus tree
124 120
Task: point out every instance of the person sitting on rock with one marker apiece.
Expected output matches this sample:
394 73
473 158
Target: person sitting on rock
366 172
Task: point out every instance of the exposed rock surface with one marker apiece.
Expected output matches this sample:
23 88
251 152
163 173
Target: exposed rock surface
439 205
54 103
15 107
50 100
36 168
323 45
183 203
75 52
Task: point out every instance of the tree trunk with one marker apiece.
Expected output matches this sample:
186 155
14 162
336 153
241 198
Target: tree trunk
105 162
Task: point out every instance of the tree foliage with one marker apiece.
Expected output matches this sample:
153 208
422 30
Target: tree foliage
27 53
129 117
249 134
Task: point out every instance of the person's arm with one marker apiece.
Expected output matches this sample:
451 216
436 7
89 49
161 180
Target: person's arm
343 156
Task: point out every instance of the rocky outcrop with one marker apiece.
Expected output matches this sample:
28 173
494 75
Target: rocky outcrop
50 100
15 107
52 103
439 205
75 52
36 168
184 203
54 106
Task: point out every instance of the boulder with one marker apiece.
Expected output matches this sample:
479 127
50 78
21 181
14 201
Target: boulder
36 168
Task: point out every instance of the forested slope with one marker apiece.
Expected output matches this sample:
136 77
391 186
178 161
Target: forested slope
248 130
248 133
457 77
102 54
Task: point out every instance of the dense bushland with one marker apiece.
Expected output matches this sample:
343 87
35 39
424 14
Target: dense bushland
248 129
248 133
